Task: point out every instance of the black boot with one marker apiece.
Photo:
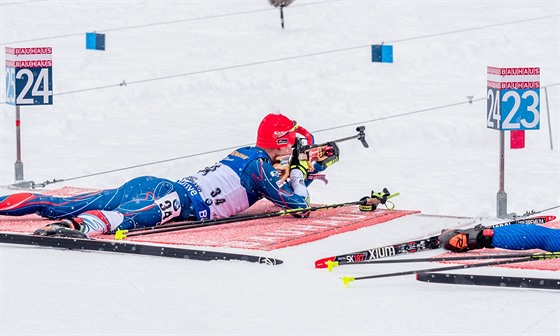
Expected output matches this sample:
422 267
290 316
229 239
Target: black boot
69 228
464 240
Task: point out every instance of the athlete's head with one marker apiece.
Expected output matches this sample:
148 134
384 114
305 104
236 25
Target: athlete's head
278 131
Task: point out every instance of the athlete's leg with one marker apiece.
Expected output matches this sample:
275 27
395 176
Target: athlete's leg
64 207
152 202
526 237
54 207
512 237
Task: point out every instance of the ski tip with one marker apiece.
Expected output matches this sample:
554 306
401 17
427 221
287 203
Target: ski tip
347 280
270 261
322 263
550 218
331 264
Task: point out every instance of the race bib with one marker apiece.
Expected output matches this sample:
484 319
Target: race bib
221 190
170 206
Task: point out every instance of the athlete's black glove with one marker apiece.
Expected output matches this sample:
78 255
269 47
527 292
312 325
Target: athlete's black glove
299 161
370 203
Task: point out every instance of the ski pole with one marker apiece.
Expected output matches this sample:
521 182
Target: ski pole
533 212
185 225
347 280
419 245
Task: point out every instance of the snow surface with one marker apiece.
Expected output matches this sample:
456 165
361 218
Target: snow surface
200 76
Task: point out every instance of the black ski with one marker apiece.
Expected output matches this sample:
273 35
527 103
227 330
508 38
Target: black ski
424 244
113 246
489 280
381 252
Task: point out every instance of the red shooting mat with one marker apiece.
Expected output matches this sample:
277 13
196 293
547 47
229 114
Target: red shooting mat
260 234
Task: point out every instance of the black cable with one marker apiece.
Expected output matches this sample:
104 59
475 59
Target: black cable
158 23
238 146
19 3
192 73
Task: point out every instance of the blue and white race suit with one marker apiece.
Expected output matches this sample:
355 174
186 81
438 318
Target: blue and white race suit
237 182
222 190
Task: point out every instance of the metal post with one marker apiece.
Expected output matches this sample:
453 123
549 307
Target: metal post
502 196
282 15
18 164
548 114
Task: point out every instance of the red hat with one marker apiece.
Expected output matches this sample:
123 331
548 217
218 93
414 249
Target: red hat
276 131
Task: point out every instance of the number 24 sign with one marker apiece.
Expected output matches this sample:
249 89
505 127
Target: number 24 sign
29 86
29 76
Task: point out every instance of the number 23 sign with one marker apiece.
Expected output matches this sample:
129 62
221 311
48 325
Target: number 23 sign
513 98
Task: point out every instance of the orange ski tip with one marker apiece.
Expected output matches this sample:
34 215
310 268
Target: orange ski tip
323 263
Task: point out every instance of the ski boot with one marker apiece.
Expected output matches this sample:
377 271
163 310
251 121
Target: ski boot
69 228
464 240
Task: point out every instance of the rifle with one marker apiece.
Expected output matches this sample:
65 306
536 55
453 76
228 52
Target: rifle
324 153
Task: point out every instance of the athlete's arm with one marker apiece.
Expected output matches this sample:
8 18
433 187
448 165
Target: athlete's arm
266 181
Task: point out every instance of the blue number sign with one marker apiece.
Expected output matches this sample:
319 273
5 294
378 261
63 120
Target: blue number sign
29 76
513 99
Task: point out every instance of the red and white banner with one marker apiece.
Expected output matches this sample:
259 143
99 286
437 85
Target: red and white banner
39 57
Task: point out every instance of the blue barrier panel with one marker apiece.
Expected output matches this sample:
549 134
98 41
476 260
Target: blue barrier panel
95 41
382 53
